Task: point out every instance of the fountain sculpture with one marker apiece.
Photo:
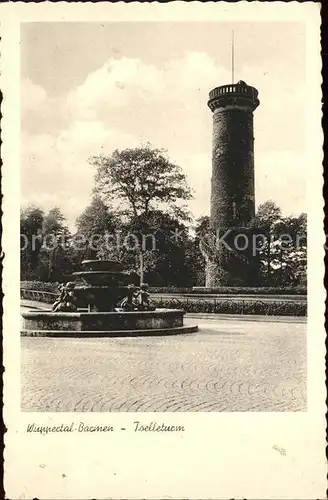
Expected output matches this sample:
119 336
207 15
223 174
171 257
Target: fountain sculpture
104 302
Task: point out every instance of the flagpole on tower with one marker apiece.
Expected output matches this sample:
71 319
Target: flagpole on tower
233 56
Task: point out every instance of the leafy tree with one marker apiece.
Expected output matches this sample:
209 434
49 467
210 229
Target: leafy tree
31 223
164 249
159 241
142 179
96 219
284 251
195 263
194 257
94 223
202 226
31 219
267 217
54 223
291 257
56 237
145 183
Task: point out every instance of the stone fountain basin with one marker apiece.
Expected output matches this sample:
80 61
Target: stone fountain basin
134 323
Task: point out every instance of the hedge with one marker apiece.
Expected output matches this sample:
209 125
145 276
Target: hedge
40 286
223 306
229 290
300 290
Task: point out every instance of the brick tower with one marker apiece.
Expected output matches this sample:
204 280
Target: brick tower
232 184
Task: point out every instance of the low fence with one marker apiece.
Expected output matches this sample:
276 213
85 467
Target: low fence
38 296
206 305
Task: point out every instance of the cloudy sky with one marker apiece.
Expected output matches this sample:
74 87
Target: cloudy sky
90 88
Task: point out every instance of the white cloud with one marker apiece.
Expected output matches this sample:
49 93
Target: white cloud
55 170
281 176
32 96
127 102
130 82
117 83
194 71
198 170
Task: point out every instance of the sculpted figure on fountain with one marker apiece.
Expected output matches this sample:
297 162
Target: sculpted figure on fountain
128 303
136 299
66 301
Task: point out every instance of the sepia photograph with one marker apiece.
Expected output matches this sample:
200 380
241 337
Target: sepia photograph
163 217
163 250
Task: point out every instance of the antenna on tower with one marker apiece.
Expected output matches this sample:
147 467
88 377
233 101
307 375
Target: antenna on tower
233 56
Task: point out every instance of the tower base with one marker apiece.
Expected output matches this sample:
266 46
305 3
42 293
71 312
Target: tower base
232 273
228 263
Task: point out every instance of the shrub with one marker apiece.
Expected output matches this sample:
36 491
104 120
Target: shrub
228 306
234 290
40 286
301 290
169 289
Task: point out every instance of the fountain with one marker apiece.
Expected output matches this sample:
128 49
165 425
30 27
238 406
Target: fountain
104 302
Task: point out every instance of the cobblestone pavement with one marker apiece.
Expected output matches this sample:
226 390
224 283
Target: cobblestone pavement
228 365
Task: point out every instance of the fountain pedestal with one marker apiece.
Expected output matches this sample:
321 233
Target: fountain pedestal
105 284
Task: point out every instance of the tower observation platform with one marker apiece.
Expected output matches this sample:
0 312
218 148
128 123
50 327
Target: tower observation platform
238 94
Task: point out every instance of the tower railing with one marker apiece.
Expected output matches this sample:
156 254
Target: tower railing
239 93
243 90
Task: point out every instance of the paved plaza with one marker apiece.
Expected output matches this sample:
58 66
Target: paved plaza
229 365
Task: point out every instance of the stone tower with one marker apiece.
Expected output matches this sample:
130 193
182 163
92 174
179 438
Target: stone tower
232 185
